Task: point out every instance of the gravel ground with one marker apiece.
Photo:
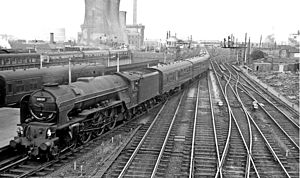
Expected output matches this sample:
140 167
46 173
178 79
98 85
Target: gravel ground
88 164
287 84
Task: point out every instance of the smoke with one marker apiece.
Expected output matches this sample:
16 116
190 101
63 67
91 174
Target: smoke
4 44
270 39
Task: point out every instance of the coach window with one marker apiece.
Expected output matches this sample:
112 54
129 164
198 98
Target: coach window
6 61
34 84
19 86
27 85
12 61
19 61
9 88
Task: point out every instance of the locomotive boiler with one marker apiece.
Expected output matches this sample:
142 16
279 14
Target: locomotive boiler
58 117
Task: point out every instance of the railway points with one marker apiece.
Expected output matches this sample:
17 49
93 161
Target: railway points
282 130
271 90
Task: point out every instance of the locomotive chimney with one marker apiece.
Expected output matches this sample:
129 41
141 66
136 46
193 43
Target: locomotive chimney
51 38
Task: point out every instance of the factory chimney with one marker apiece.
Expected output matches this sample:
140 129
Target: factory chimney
122 17
134 12
51 38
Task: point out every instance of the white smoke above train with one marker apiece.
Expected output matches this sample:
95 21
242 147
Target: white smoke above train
4 44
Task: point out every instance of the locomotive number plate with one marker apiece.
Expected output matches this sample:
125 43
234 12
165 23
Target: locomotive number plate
41 99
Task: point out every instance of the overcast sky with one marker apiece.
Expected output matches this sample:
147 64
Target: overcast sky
204 19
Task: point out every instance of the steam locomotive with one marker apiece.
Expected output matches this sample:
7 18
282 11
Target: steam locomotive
59 117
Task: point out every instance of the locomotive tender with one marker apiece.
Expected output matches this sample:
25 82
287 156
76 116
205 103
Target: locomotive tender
59 117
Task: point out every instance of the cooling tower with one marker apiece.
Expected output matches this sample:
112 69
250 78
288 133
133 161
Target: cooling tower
102 22
122 17
134 12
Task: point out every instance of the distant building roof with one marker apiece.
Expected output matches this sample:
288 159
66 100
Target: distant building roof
172 39
39 46
294 50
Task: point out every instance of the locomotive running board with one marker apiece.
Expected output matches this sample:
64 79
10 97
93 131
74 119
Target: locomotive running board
85 113
81 117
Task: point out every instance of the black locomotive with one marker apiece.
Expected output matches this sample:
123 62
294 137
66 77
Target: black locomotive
58 117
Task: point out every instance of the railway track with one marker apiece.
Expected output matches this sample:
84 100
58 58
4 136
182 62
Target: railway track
235 161
278 145
222 119
283 145
175 156
205 157
139 158
268 98
279 118
176 145
286 125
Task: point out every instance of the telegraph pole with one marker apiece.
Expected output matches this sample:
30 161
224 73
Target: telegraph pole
41 61
70 76
245 52
260 42
118 62
248 49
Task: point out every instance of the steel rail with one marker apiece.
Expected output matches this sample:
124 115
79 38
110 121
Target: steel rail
191 170
272 118
214 126
14 163
247 168
219 170
166 138
264 97
249 149
261 95
125 168
268 145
